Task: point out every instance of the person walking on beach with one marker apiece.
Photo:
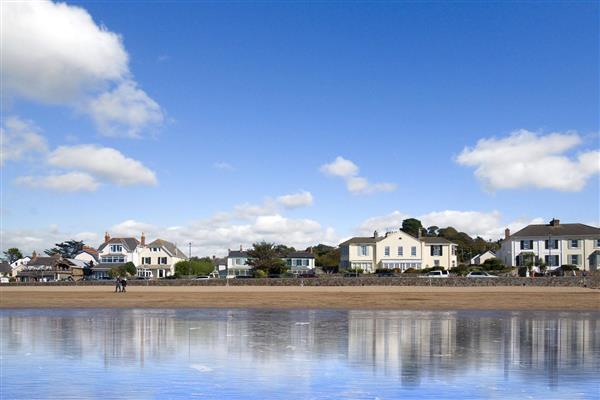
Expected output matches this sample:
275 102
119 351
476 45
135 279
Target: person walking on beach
118 284
123 284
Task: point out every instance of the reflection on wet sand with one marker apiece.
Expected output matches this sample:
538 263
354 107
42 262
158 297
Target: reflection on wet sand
407 348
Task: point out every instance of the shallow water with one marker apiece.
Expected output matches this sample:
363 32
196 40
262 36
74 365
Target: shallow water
259 354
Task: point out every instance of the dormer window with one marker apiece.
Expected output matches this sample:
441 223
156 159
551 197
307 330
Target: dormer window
155 249
116 248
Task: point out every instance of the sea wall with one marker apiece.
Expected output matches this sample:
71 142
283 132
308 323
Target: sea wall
592 281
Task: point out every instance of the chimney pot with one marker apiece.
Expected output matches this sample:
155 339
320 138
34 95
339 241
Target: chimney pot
143 239
506 233
375 234
106 237
555 222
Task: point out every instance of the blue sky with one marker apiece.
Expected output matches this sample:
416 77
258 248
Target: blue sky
479 116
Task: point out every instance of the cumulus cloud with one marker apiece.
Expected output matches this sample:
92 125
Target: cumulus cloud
69 182
525 159
20 139
488 225
28 240
55 53
103 162
296 200
125 109
348 171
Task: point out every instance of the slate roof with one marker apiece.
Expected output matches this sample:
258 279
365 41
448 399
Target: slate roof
559 230
238 253
219 261
129 243
169 247
300 254
5 268
435 240
362 240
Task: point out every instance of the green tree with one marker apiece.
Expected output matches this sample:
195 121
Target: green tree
68 249
432 230
123 270
412 226
284 250
263 256
13 254
194 266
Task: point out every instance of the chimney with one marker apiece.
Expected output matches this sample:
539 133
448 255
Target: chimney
376 234
106 237
241 249
214 257
506 233
555 222
33 255
419 233
143 239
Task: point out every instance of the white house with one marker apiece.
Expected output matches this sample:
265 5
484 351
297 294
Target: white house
554 243
481 258
118 250
88 255
17 266
158 258
237 263
396 250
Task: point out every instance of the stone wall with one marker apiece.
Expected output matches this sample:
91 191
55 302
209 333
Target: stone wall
592 281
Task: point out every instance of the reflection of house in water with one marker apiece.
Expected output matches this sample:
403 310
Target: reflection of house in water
455 343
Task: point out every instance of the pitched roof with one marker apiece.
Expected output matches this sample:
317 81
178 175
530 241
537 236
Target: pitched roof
43 260
237 253
300 254
557 230
435 240
5 268
361 240
129 243
169 247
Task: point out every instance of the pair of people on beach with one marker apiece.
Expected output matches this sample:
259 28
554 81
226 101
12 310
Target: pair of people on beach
120 284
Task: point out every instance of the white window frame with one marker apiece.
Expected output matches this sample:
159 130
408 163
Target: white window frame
400 251
386 251
413 251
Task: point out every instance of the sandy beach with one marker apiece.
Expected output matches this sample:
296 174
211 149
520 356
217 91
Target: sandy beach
372 297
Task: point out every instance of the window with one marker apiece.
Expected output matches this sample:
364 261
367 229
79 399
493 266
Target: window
113 259
413 251
574 259
305 263
526 244
146 260
239 261
386 251
436 250
400 251
155 249
298 262
436 263
363 250
453 252
597 242
574 244
289 262
116 248
162 260
551 261
551 244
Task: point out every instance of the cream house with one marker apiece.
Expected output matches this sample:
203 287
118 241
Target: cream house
555 244
481 258
396 250
158 258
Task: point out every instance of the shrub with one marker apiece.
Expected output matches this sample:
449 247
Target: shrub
411 271
569 267
259 273
355 270
492 264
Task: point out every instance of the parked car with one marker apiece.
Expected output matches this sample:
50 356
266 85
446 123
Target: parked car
556 272
386 274
480 274
242 277
202 278
436 274
307 275
4 280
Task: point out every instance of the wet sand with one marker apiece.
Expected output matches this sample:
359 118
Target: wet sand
277 297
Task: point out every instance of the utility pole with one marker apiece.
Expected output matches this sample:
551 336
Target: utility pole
189 258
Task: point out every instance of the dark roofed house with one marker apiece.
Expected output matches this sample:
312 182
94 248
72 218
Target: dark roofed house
300 262
554 244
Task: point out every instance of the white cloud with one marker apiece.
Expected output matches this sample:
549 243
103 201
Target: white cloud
355 184
224 166
20 139
28 240
103 162
55 53
69 182
125 109
296 200
488 225
248 211
525 159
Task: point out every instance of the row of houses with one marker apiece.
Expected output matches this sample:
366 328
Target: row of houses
554 243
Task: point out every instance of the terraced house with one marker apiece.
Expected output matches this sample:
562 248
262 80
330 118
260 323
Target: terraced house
555 244
397 250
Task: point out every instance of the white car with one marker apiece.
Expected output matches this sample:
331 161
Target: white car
436 274
480 274
202 278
